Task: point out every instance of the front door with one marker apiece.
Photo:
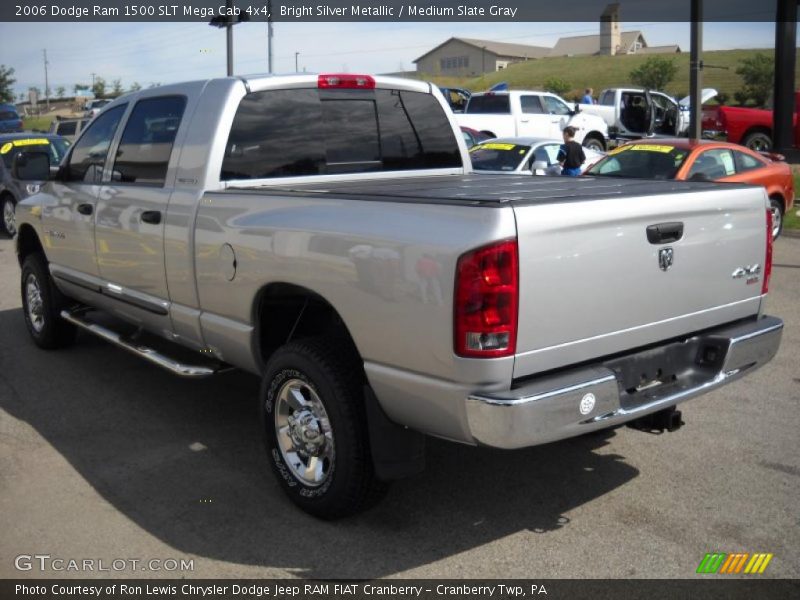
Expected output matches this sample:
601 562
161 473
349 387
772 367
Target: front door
533 119
68 212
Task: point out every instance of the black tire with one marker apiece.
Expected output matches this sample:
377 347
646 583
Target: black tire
44 322
7 200
325 372
758 141
777 217
593 143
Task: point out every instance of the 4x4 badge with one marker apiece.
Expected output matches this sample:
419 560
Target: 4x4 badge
665 258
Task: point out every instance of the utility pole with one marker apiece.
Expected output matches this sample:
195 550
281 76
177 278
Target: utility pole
93 83
269 37
46 83
296 69
696 72
228 21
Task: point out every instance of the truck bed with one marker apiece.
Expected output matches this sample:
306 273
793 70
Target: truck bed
489 190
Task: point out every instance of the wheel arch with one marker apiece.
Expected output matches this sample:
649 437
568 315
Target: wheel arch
28 243
755 129
595 135
284 311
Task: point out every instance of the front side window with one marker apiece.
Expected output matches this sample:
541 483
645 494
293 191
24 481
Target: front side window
713 164
146 144
554 106
531 105
284 133
89 154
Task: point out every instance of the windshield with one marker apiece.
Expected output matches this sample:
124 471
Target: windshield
57 148
644 161
497 156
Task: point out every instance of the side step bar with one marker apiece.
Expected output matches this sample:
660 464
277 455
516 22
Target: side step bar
178 368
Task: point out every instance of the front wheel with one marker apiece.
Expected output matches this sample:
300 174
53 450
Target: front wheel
592 143
758 142
315 428
9 221
42 304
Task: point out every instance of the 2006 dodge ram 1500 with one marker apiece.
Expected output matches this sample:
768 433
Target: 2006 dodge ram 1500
325 232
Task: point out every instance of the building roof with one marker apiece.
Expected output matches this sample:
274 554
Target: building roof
672 49
586 45
498 48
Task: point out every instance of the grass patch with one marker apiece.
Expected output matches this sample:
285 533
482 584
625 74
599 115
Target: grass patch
791 220
37 123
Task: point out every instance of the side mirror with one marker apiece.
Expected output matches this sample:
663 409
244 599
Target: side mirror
539 165
31 166
699 177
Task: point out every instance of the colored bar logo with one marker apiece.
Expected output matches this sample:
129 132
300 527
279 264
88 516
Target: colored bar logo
738 562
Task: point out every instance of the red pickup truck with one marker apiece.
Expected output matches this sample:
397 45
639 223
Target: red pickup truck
751 127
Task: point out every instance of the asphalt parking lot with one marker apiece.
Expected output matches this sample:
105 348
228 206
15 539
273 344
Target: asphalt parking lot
105 457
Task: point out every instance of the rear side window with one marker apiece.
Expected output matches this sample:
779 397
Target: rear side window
89 154
67 128
146 144
284 133
489 104
7 115
745 162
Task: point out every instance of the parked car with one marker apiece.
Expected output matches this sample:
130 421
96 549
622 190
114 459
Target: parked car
13 190
94 108
523 155
10 120
473 136
633 113
326 233
68 128
751 127
704 160
456 98
534 114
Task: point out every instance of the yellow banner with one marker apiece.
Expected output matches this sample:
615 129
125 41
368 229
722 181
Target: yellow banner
26 142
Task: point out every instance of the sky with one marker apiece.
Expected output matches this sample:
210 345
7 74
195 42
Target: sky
148 53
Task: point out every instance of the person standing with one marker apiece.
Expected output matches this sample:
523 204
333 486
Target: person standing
570 155
587 96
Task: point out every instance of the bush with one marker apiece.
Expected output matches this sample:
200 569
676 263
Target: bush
557 86
655 73
758 74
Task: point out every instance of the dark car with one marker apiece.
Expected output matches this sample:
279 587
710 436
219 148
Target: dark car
9 118
12 190
473 136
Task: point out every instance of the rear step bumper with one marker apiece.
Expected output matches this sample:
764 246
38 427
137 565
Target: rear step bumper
596 397
77 317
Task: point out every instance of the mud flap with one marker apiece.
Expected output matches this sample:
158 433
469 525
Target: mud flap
397 452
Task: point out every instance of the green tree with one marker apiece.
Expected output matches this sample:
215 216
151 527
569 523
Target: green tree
557 86
758 74
655 73
135 86
7 81
60 91
99 87
79 87
116 87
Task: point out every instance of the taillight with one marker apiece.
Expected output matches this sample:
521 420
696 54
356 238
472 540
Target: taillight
345 81
486 299
768 257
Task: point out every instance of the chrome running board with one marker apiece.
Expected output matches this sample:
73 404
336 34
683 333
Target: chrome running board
178 368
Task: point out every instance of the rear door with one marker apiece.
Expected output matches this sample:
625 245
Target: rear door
592 283
132 206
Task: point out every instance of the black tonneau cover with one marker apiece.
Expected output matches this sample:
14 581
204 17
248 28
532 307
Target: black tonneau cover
491 190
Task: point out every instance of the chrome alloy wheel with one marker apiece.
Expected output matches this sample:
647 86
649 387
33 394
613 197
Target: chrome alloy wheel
304 433
33 294
9 219
776 221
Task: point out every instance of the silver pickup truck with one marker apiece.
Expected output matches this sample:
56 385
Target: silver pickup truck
326 233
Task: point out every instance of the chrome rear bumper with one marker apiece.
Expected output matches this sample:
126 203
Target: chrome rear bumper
596 397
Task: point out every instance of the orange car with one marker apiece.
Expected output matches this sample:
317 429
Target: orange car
703 160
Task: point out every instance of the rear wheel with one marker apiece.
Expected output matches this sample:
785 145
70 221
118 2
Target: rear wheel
42 304
9 221
758 141
315 428
776 206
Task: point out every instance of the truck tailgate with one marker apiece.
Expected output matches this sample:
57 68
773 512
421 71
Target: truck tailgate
592 284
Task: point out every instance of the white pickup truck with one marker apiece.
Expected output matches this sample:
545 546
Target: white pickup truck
637 113
326 233
532 114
